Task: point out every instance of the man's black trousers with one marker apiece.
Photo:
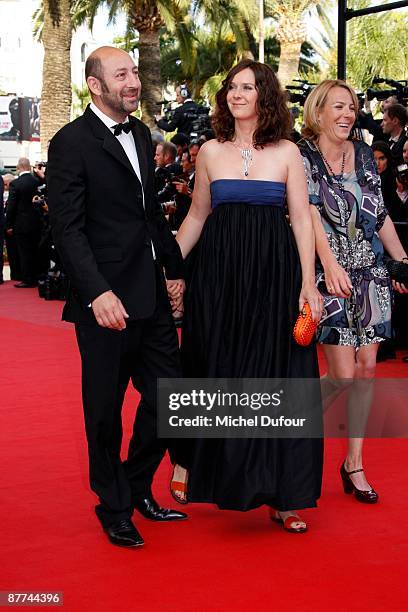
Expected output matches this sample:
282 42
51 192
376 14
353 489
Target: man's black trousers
145 351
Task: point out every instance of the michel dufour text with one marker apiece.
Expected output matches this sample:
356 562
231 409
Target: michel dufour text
225 400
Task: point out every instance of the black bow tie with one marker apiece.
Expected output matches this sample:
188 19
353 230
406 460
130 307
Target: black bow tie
119 127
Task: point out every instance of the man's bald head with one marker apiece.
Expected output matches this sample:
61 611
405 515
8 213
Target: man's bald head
23 164
113 81
94 63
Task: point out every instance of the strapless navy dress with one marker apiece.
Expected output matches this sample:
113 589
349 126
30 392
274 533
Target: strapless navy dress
240 310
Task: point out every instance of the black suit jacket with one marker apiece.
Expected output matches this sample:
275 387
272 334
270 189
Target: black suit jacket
100 227
22 216
183 118
397 148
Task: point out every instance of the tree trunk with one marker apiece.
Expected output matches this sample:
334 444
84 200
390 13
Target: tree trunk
289 62
253 47
56 94
291 33
150 75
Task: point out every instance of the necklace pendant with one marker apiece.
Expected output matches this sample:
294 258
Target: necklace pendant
246 155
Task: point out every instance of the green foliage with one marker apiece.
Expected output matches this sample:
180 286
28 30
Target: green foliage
80 100
376 46
382 42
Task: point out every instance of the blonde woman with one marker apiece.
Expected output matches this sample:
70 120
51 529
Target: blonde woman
351 225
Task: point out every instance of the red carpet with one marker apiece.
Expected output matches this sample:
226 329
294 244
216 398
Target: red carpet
354 557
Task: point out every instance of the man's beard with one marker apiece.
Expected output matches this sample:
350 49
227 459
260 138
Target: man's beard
116 102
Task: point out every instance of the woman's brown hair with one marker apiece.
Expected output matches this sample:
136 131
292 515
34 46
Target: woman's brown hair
273 114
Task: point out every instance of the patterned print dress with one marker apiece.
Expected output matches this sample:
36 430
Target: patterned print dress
352 220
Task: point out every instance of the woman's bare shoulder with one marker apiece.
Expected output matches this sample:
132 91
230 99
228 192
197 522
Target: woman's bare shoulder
288 146
210 151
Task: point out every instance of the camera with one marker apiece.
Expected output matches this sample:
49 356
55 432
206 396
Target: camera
169 191
400 90
200 121
299 93
40 199
402 173
168 112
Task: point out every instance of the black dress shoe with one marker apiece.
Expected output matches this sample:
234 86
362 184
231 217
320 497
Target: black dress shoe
366 497
25 286
150 509
124 533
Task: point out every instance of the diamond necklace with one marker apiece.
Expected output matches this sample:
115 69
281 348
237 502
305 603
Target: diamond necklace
246 154
340 179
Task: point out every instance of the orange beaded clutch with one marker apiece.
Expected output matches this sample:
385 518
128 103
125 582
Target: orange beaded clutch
305 327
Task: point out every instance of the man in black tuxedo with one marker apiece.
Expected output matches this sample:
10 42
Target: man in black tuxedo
393 125
113 240
24 223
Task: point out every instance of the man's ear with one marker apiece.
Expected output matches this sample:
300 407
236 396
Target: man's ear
94 85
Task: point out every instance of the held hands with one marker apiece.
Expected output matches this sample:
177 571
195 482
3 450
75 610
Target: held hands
311 295
175 290
109 311
338 282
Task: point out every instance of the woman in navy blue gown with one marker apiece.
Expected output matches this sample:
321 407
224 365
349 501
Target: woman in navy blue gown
253 273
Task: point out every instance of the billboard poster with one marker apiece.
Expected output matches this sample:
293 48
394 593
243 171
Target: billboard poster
19 118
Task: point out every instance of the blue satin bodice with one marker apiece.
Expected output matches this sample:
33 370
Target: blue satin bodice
256 192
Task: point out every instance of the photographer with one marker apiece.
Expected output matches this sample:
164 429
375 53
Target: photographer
23 221
182 143
383 160
185 186
366 120
401 301
402 180
184 115
166 165
393 125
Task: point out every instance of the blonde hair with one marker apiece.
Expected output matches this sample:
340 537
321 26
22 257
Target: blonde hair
7 179
316 100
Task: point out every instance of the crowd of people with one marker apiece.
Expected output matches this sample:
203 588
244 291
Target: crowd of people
268 225
24 228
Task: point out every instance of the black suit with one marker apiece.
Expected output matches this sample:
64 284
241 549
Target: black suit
183 118
24 219
396 148
103 234
366 121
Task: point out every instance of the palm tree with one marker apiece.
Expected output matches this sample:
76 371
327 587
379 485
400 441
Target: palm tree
81 100
56 93
149 17
224 38
291 32
379 39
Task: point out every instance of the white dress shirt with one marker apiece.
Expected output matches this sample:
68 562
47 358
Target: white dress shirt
126 140
128 143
